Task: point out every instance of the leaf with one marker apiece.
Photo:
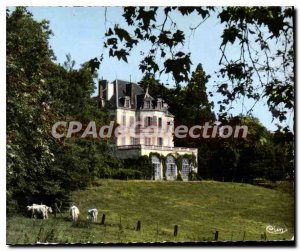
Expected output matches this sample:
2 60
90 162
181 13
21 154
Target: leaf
230 35
202 12
122 34
94 64
121 54
179 54
112 41
109 33
152 39
251 31
178 37
224 16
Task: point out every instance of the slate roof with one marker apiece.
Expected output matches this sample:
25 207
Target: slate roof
132 90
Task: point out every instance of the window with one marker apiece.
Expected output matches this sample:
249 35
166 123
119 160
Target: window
131 120
127 103
147 105
157 167
159 122
185 168
123 141
160 141
147 141
159 105
124 120
171 167
134 141
148 121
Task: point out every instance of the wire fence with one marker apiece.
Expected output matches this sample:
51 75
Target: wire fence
115 228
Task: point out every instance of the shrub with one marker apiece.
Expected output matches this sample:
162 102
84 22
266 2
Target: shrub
194 176
179 178
125 174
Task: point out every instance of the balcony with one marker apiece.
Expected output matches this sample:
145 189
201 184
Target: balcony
155 147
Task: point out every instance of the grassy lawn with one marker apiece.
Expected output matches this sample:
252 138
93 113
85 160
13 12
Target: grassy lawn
237 211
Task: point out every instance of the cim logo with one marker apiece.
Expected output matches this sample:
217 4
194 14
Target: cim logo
273 230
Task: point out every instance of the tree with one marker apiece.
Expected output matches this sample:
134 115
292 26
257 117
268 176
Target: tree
29 106
40 93
197 108
264 68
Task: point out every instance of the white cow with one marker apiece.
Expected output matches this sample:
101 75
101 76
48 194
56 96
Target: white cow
49 210
92 214
37 210
74 212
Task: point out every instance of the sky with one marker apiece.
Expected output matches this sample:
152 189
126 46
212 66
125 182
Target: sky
80 32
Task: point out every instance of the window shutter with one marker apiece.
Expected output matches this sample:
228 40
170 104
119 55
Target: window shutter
145 122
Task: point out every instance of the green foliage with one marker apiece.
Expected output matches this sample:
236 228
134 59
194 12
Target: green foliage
142 165
164 166
193 176
125 174
179 178
263 35
30 109
178 161
245 160
40 93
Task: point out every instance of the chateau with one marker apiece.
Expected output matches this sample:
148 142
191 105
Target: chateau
132 107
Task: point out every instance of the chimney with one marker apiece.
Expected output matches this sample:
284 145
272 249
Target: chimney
132 96
101 95
117 93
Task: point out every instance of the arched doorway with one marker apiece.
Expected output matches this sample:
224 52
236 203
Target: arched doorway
186 168
171 168
156 163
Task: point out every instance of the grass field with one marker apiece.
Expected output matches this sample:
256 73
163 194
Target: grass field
238 211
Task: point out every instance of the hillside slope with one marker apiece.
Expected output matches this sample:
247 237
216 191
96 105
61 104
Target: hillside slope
237 211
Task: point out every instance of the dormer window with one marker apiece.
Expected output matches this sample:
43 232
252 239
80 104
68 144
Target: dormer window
147 104
159 104
127 102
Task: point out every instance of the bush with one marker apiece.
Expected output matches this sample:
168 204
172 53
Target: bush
179 178
194 176
142 165
12 207
125 174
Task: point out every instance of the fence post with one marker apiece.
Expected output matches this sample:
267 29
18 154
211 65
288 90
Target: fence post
175 230
138 226
263 236
244 235
120 225
103 220
216 235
